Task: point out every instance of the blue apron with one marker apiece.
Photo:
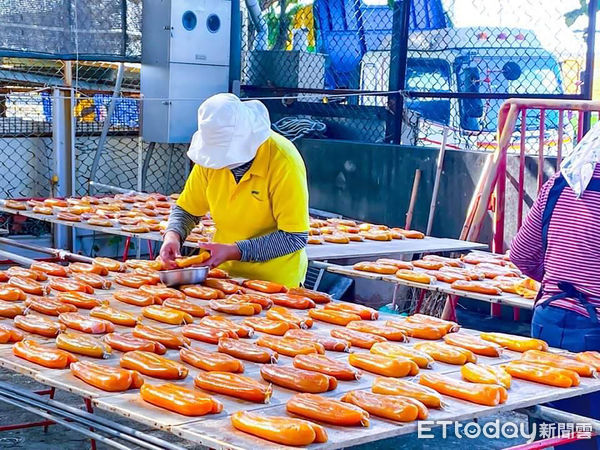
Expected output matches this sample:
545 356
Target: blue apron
567 329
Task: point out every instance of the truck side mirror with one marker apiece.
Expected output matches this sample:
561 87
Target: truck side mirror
511 71
471 108
470 79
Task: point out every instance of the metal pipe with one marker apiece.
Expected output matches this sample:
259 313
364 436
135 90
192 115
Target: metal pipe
544 443
255 13
408 94
559 144
522 168
580 119
413 199
106 124
64 423
436 183
21 260
13 243
62 145
146 164
498 243
61 254
92 419
397 77
542 139
588 85
550 414
111 188
235 48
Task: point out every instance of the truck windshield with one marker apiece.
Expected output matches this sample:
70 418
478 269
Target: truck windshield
535 81
426 74
538 76
429 75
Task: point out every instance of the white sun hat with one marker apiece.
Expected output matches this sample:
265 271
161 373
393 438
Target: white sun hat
229 131
578 166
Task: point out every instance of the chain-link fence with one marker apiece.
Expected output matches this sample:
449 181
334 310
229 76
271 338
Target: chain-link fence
72 29
446 63
370 70
28 150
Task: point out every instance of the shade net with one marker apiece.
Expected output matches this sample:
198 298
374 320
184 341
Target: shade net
105 30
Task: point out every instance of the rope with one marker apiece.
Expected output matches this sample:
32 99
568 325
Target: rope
295 128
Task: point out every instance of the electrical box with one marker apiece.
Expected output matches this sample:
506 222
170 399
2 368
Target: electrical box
185 60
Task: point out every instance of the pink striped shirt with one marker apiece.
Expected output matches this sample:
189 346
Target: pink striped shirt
573 251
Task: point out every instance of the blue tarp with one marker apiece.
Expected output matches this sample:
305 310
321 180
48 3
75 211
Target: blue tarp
347 29
126 114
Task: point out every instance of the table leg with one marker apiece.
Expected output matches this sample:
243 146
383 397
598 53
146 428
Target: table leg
495 309
51 395
419 301
89 408
42 423
126 250
21 426
150 249
395 297
449 312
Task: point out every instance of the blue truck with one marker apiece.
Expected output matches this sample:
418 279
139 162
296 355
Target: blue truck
441 58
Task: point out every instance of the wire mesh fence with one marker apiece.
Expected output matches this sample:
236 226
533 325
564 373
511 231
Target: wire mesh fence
72 29
453 61
27 155
369 70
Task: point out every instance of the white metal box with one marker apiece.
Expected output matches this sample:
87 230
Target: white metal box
185 59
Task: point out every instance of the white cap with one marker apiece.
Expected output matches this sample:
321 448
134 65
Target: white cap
229 131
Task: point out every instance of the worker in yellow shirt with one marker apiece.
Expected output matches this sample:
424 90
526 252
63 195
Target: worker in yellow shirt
253 182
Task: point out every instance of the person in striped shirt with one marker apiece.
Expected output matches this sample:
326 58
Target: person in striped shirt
253 182
559 245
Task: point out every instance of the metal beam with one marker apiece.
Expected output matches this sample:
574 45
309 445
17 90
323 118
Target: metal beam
106 124
63 144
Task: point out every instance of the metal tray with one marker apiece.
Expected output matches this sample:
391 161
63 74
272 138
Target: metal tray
189 275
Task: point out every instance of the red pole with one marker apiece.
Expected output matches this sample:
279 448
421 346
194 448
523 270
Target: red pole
559 143
579 126
541 148
150 250
126 250
522 168
545 443
498 243
89 408
420 301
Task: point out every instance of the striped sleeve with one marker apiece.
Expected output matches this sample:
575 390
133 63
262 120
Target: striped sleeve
271 246
526 250
181 222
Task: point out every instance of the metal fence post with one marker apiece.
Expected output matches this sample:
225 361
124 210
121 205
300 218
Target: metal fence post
63 140
398 55
235 66
588 83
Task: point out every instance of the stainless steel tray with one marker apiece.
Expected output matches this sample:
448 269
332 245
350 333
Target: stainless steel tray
189 275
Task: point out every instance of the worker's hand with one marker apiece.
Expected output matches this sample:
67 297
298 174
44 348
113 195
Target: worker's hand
170 249
220 253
